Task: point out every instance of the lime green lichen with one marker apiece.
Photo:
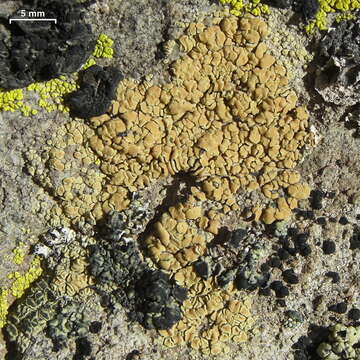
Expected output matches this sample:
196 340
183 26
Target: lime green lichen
12 101
4 306
18 255
103 48
53 90
344 7
22 282
89 62
238 7
18 287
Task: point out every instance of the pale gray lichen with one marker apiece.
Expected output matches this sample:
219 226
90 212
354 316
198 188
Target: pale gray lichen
343 343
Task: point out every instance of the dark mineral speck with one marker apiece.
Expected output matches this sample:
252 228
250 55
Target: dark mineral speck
225 277
83 348
309 8
275 262
294 315
134 355
265 291
355 242
236 236
354 314
305 214
242 283
339 308
305 250
301 238
292 231
316 197
329 247
280 4
321 220
283 254
290 277
331 194
343 220
95 327
281 291
334 276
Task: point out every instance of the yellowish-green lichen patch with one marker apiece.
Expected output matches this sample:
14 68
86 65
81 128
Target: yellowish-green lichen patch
4 306
18 255
20 282
343 7
104 47
239 7
51 93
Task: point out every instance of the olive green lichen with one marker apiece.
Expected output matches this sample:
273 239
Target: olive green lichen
239 7
30 316
342 344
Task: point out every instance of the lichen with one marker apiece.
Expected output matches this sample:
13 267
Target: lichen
345 9
51 93
342 343
20 283
239 7
104 47
23 282
228 109
18 255
4 306
229 121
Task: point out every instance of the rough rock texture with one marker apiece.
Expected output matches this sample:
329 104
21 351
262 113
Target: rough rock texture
338 76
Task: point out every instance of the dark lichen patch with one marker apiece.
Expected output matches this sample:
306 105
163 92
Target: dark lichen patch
97 90
245 254
39 51
150 296
70 321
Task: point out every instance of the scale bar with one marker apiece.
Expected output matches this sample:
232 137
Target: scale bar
10 20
